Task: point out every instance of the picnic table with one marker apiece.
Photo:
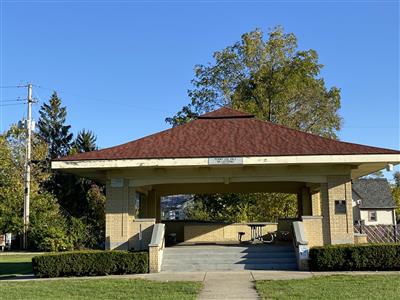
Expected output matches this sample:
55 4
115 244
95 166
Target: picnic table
256 231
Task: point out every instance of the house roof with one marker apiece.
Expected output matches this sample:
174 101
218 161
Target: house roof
374 193
228 133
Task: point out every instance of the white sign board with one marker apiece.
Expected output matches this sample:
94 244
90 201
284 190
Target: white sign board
303 251
117 182
225 161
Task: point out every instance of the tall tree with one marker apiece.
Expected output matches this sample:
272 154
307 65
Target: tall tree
47 228
269 78
52 128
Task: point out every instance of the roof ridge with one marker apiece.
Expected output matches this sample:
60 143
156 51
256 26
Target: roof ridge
226 112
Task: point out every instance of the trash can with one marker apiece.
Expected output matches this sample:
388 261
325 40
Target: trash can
171 239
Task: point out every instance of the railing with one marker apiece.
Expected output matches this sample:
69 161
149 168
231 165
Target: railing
156 248
300 244
379 233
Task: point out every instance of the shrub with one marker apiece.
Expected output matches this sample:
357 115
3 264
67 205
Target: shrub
90 263
372 257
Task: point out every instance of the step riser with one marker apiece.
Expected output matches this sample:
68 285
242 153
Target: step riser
230 267
229 261
232 256
177 250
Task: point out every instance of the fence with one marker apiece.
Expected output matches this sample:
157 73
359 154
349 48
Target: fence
380 233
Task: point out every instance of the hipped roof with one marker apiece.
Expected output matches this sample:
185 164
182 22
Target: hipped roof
228 133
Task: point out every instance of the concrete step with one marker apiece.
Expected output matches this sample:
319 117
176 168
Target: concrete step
228 267
224 258
216 250
221 255
227 260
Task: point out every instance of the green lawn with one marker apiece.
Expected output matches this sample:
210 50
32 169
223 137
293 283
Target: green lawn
18 264
333 287
99 289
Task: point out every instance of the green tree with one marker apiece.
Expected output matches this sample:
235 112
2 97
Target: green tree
274 80
269 78
45 215
396 192
85 142
242 207
72 193
52 128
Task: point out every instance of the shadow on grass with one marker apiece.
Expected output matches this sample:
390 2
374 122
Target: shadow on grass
15 268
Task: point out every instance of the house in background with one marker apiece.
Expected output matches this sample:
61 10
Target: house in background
173 207
373 202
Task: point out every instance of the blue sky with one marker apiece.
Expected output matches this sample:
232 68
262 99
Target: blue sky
121 67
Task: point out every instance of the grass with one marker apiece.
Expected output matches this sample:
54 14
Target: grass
18 264
333 287
99 289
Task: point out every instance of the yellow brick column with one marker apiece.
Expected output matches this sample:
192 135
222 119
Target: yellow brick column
316 204
337 210
116 209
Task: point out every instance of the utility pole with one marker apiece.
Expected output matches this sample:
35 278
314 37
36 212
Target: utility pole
27 178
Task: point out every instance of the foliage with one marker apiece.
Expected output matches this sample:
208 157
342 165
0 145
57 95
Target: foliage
366 257
100 289
268 78
85 141
90 263
52 227
48 227
95 216
46 220
396 192
242 207
75 195
52 128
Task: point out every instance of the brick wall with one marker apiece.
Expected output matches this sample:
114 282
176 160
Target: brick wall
340 224
313 230
221 232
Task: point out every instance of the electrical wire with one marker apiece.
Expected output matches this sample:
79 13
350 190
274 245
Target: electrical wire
101 100
13 100
11 86
11 104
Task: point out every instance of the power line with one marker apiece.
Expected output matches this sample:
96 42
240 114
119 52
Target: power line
11 104
13 100
12 86
101 100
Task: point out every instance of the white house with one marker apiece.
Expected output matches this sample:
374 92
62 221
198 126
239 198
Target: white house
373 202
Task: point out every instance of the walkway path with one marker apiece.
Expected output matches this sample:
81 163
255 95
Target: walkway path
228 285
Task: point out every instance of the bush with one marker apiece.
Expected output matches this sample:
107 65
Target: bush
90 263
368 257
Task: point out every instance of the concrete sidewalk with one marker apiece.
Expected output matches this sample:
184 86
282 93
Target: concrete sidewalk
202 276
218 284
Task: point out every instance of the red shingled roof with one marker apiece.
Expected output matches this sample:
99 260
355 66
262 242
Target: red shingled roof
228 133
